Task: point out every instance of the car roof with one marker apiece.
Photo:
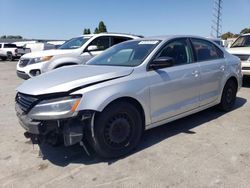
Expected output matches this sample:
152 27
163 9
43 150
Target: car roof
112 34
168 37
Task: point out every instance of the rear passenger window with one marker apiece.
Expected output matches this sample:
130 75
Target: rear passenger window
178 50
102 43
10 46
206 50
117 40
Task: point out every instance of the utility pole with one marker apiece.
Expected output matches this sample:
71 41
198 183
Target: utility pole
216 20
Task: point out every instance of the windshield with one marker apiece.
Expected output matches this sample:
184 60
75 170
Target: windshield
74 43
243 41
130 54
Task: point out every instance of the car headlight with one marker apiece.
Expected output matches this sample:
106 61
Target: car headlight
59 108
40 59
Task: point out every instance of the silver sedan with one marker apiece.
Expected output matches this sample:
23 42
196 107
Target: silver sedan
131 87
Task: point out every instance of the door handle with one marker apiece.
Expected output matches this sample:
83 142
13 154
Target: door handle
195 73
222 67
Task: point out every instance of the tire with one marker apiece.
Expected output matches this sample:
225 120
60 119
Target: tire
228 96
10 56
117 130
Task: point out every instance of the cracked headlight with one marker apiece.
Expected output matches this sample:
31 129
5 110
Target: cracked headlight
59 108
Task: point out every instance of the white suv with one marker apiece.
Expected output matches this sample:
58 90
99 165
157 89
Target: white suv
241 49
77 50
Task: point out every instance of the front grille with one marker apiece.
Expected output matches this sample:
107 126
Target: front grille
245 68
242 57
23 62
25 102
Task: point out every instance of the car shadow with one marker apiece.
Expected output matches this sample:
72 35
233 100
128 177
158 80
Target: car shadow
62 156
246 81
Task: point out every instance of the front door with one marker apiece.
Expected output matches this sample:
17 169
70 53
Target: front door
174 90
102 44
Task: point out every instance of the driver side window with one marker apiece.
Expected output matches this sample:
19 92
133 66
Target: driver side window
102 43
178 50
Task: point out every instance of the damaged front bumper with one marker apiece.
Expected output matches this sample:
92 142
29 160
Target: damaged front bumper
68 131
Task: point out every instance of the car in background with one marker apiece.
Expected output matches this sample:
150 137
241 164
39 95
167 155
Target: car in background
11 52
133 86
75 51
217 41
57 44
241 49
40 46
22 50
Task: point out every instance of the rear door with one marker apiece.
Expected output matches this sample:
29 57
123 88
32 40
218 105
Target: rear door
212 69
174 90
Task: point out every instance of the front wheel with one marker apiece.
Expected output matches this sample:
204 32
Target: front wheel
228 96
117 130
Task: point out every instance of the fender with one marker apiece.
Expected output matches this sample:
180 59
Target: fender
98 96
60 61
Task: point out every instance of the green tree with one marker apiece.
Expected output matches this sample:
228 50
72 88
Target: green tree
11 37
244 31
86 31
18 37
227 35
96 31
102 27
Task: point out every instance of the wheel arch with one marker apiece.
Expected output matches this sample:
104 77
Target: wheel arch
234 79
132 101
65 64
61 61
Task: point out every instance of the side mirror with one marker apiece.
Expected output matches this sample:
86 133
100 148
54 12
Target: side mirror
92 48
161 62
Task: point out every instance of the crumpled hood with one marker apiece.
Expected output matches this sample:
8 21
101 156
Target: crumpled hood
67 78
239 50
46 53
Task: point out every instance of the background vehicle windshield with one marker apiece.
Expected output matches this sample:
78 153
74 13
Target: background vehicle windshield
242 41
74 43
129 54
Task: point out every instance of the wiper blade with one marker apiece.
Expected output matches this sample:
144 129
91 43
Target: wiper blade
237 46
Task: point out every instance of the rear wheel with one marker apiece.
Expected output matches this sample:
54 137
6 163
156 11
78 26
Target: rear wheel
117 130
10 56
228 96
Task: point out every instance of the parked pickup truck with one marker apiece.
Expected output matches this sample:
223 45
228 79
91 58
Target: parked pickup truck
75 51
11 51
22 50
241 49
